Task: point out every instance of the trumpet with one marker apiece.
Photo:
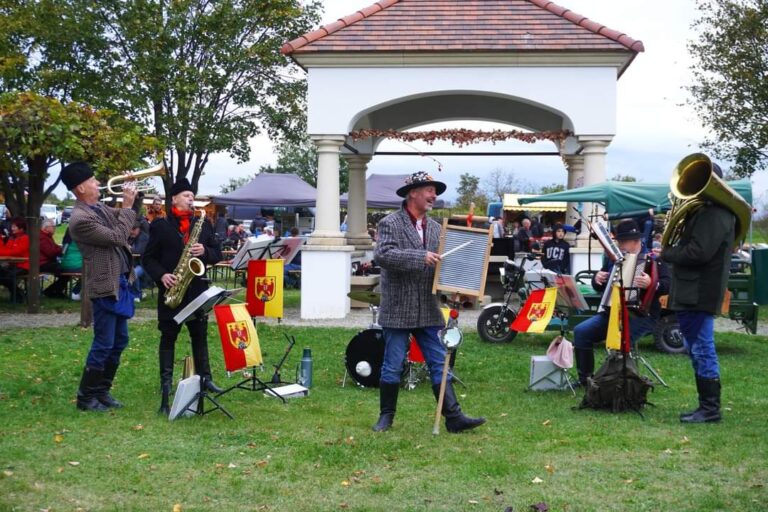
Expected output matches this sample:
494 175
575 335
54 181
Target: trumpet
115 185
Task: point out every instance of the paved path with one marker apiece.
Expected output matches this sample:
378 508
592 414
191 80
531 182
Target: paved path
356 319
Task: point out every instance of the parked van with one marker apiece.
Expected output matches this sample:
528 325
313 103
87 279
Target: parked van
51 211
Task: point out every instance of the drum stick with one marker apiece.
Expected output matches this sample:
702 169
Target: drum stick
446 253
441 397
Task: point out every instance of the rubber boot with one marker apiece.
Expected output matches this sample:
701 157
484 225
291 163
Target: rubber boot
166 381
709 402
455 421
90 387
105 397
387 406
585 363
202 366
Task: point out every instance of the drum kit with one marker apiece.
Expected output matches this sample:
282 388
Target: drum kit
365 352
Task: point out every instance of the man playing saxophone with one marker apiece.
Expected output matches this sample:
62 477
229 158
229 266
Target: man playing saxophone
171 239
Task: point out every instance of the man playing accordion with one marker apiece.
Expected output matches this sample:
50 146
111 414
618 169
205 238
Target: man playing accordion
586 334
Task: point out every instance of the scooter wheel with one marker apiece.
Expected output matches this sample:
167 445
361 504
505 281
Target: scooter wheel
493 325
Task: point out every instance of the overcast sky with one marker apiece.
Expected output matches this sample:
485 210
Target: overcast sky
655 127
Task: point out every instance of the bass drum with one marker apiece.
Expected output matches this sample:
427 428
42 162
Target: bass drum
365 356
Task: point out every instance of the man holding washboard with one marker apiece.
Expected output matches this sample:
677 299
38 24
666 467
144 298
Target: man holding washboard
406 251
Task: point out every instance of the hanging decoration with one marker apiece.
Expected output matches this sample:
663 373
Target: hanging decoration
463 137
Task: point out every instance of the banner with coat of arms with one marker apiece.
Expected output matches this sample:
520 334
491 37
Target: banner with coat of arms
264 291
239 339
537 311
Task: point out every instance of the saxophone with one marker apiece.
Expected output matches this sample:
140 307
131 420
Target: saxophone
187 268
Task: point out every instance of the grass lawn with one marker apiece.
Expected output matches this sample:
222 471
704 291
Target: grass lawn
318 453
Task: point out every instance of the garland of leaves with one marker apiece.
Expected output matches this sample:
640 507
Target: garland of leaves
463 137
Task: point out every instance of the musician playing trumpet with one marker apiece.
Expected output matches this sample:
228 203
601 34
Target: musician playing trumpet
591 331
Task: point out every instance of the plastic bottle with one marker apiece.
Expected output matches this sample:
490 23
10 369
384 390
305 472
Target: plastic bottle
305 369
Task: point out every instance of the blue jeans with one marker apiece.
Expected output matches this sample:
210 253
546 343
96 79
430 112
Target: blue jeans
593 330
110 336
698 330
139 270
397 343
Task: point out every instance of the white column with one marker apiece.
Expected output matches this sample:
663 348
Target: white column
575 166
594 152
357 208
327 219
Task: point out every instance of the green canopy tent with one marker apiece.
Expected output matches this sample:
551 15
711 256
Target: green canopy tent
628 199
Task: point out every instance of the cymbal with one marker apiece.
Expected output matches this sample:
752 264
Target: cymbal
367 297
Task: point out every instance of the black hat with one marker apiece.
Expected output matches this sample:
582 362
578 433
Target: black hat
75 173
181 185
557 227
628 230
420 179
717 170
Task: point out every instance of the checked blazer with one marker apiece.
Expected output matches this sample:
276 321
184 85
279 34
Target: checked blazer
99 239
407 300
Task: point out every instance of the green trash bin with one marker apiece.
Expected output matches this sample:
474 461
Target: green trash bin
760 272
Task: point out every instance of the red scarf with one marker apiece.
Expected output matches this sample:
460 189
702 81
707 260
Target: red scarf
185 220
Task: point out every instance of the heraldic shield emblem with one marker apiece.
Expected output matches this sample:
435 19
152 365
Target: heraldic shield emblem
238 335
538 311
265 288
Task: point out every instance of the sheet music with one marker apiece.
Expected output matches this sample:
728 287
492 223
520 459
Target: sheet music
204 302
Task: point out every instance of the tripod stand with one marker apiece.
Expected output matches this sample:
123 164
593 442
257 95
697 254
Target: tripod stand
200 397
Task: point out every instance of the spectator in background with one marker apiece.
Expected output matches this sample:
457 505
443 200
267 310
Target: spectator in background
557 252
343 228
258 224
155 210
49 262
220 228
523 236
537 228
71 261
17 245
138 240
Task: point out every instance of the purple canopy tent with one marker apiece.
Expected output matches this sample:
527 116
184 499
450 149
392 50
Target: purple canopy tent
381 191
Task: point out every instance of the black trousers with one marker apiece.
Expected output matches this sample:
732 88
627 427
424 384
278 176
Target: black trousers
198 333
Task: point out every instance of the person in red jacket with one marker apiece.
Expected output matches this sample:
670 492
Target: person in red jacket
49 262
16 246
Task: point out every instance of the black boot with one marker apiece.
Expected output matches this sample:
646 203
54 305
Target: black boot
202 366
709 402
585 363
110 369
455 421
166 380
387 406
90 388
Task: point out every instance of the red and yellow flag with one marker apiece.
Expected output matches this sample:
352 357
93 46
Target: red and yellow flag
537 311
613 334
239 339
264 292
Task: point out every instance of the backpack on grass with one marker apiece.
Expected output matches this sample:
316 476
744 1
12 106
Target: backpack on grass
617 386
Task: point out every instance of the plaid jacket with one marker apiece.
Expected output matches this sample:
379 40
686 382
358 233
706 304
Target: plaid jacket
407 300
99 243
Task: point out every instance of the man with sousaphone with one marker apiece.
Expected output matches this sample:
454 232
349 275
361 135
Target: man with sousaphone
706 219
406 250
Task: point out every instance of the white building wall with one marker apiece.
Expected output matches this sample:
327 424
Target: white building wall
339 96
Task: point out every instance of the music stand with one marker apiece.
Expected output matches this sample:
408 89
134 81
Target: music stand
253 383
254 247
197 392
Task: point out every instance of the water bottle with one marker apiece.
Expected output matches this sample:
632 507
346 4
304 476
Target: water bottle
305 369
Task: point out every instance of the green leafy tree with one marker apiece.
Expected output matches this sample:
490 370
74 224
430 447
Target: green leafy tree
469 192
552 188
36 131
625 178
235 183
206 76
730 77
300 158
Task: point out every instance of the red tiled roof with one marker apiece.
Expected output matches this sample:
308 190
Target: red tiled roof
462 26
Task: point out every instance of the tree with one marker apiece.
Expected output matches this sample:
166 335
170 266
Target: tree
469 192
300 158
730 77
35 131
498 183
206 76
235 183
554 187
626 179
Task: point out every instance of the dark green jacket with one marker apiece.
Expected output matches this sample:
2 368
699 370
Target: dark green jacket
701 260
